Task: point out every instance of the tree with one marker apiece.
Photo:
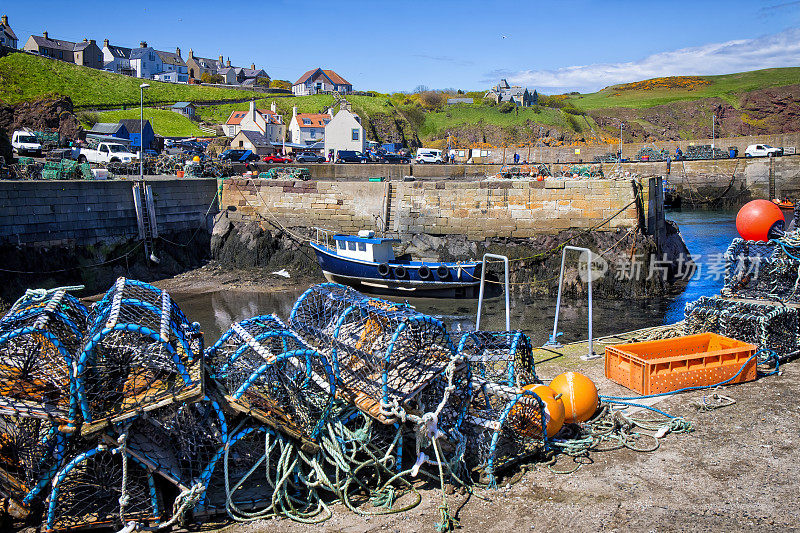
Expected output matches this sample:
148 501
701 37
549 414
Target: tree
420 89
280 84
211 78
432 99
263 81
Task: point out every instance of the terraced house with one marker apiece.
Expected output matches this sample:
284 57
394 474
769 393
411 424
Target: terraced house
85 53
7 36
117 59
308 128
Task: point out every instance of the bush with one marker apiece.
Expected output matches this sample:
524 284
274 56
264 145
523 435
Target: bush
572 110
507 107
489 102
574 122
432 99
263 82
415 115
89 118
280 84
211 78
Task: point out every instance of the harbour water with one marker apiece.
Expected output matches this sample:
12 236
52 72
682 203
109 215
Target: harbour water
707 234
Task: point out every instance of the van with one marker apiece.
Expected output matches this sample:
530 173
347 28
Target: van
762 150
24 142
429 155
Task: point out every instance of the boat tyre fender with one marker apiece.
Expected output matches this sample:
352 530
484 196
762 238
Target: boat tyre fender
424 273
399 272
442 272
383 270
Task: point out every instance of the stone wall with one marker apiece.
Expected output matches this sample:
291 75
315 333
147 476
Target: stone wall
476 209
51 213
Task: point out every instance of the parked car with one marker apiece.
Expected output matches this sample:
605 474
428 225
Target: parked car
429 155
395 159
236 155
309 157
105 152
24 143
762 150
351 156
276 159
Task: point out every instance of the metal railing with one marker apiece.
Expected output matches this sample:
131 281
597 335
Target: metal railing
505 290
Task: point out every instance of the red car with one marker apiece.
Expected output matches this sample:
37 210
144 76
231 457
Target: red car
276 159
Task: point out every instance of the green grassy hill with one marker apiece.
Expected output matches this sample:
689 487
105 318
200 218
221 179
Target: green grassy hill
164 122
27 76
659 91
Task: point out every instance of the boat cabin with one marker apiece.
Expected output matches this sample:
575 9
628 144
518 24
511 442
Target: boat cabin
365 247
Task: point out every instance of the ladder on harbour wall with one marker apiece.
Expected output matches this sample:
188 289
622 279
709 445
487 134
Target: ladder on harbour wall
145 217
389 205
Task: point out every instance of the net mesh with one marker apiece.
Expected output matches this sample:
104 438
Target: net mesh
382 352
267 371
502 356
767 326
86 493
762 270
39 339
141 353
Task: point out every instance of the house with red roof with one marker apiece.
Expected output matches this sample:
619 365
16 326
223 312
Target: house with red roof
267 122
321 81
308 128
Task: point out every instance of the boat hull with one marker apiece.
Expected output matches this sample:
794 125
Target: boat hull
403 277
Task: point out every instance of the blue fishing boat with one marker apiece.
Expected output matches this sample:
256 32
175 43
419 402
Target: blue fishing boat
368 263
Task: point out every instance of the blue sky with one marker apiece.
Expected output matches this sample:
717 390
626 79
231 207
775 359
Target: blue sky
388 46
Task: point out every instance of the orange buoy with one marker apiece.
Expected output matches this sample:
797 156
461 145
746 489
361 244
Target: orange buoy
758 219
540 178
579 395
524 416
196 159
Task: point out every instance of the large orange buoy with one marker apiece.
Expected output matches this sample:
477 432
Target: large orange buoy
579 395
524 416
759 220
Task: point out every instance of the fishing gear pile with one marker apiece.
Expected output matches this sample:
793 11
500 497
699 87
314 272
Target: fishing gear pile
118 416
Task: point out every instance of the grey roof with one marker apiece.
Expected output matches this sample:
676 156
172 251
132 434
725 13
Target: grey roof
137 53
460 100
8 31
132 124
106 128
120 51
58 44
250 73
256 138
181 105
170 58
249 81
226 70
81 46
206 62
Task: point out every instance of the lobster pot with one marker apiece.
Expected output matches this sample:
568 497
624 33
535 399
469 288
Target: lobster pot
503 425
86 493
31 452
762 270
181 442
39 340
318 309
248 469
141 353
767 326
501 356
270 374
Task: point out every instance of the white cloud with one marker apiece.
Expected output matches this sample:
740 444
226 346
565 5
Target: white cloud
777 50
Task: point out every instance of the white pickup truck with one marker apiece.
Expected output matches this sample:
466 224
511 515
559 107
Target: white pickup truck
106 152
24 143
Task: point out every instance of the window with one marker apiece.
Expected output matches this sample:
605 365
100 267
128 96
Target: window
241 144
341 245
355 134
326 121
351 245
306 122
362 247
312 132
61 54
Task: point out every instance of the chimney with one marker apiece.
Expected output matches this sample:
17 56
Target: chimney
105 43
253 110
44 33
294 111
221 60
4 20
228 63
330 111
272 106
191 54
92 41
143 44
178 50
85 40
252 66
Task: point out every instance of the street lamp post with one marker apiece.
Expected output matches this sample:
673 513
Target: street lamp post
713 132
142 87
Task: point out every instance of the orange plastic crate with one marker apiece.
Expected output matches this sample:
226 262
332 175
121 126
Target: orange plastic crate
666 365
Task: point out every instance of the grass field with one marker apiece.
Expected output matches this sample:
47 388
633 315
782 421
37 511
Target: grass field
468 114
164 122
27 76
727 87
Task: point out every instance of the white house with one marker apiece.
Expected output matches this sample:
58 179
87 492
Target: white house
117 59
321 81
173 67
145 62
7 36
344 132
267 122
308 128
